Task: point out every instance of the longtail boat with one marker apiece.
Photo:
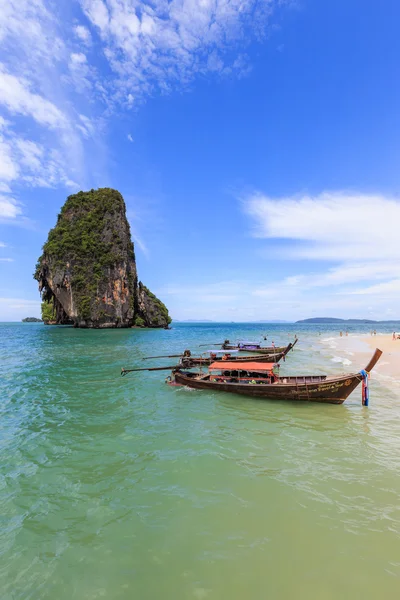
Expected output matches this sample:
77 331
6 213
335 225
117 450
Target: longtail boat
230 355
253 347
224 355
260 381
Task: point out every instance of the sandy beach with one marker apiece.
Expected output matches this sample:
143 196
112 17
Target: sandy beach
361 347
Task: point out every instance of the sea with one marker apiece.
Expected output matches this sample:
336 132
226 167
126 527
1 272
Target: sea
124 488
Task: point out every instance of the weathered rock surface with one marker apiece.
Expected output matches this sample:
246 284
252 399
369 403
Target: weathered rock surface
88 268
152 310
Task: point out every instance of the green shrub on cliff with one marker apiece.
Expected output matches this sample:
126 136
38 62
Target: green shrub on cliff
48 311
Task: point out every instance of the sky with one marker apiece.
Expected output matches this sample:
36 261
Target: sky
256 144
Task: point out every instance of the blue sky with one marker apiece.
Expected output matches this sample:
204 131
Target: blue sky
256 145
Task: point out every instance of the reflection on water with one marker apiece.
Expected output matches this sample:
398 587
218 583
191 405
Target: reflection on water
122 488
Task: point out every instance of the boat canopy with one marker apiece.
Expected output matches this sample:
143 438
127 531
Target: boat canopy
248 343
241 366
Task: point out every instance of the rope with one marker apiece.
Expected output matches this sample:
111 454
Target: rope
365 388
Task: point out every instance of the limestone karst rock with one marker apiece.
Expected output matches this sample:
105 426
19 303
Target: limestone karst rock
88 268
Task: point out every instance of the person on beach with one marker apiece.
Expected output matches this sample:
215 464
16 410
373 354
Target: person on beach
341 334
394 335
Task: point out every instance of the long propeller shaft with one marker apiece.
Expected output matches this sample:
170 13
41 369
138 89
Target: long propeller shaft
125 371
163 356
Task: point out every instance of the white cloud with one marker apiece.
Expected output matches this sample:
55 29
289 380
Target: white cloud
6 260
97 13
86 126
81 74
130 138
33 91
78 58
330 226
388 288
2 245
356 232
350 272
9 170
9 208
50 79
83 34
31 163
31 154
34 27
16 96
339 278
139 242
160 45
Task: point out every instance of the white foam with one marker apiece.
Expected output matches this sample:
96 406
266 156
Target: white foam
344 361
329 342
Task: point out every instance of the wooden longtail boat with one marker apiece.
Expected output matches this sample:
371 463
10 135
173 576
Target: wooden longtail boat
259 381
252 347
217 355
248 347
225 355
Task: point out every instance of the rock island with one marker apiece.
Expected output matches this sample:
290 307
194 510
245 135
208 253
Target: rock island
87 273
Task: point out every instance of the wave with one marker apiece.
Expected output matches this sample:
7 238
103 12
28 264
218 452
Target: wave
330 342
339 359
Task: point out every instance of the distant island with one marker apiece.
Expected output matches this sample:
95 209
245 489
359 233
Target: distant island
347 321
31 320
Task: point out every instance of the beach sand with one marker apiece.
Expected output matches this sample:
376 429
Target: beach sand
361 348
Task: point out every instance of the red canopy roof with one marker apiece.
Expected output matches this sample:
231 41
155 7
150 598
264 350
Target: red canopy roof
225 365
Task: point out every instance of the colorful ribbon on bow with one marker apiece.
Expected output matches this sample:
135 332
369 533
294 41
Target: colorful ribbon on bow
365 388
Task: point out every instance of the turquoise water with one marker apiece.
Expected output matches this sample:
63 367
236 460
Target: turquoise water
124 488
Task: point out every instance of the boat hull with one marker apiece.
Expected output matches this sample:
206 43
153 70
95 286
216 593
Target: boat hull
328 391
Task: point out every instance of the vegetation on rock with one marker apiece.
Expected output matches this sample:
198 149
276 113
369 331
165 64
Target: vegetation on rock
139 322
48 311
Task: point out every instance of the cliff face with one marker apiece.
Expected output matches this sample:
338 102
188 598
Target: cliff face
88 267
152 310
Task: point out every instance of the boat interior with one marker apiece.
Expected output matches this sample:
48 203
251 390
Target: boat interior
257 378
